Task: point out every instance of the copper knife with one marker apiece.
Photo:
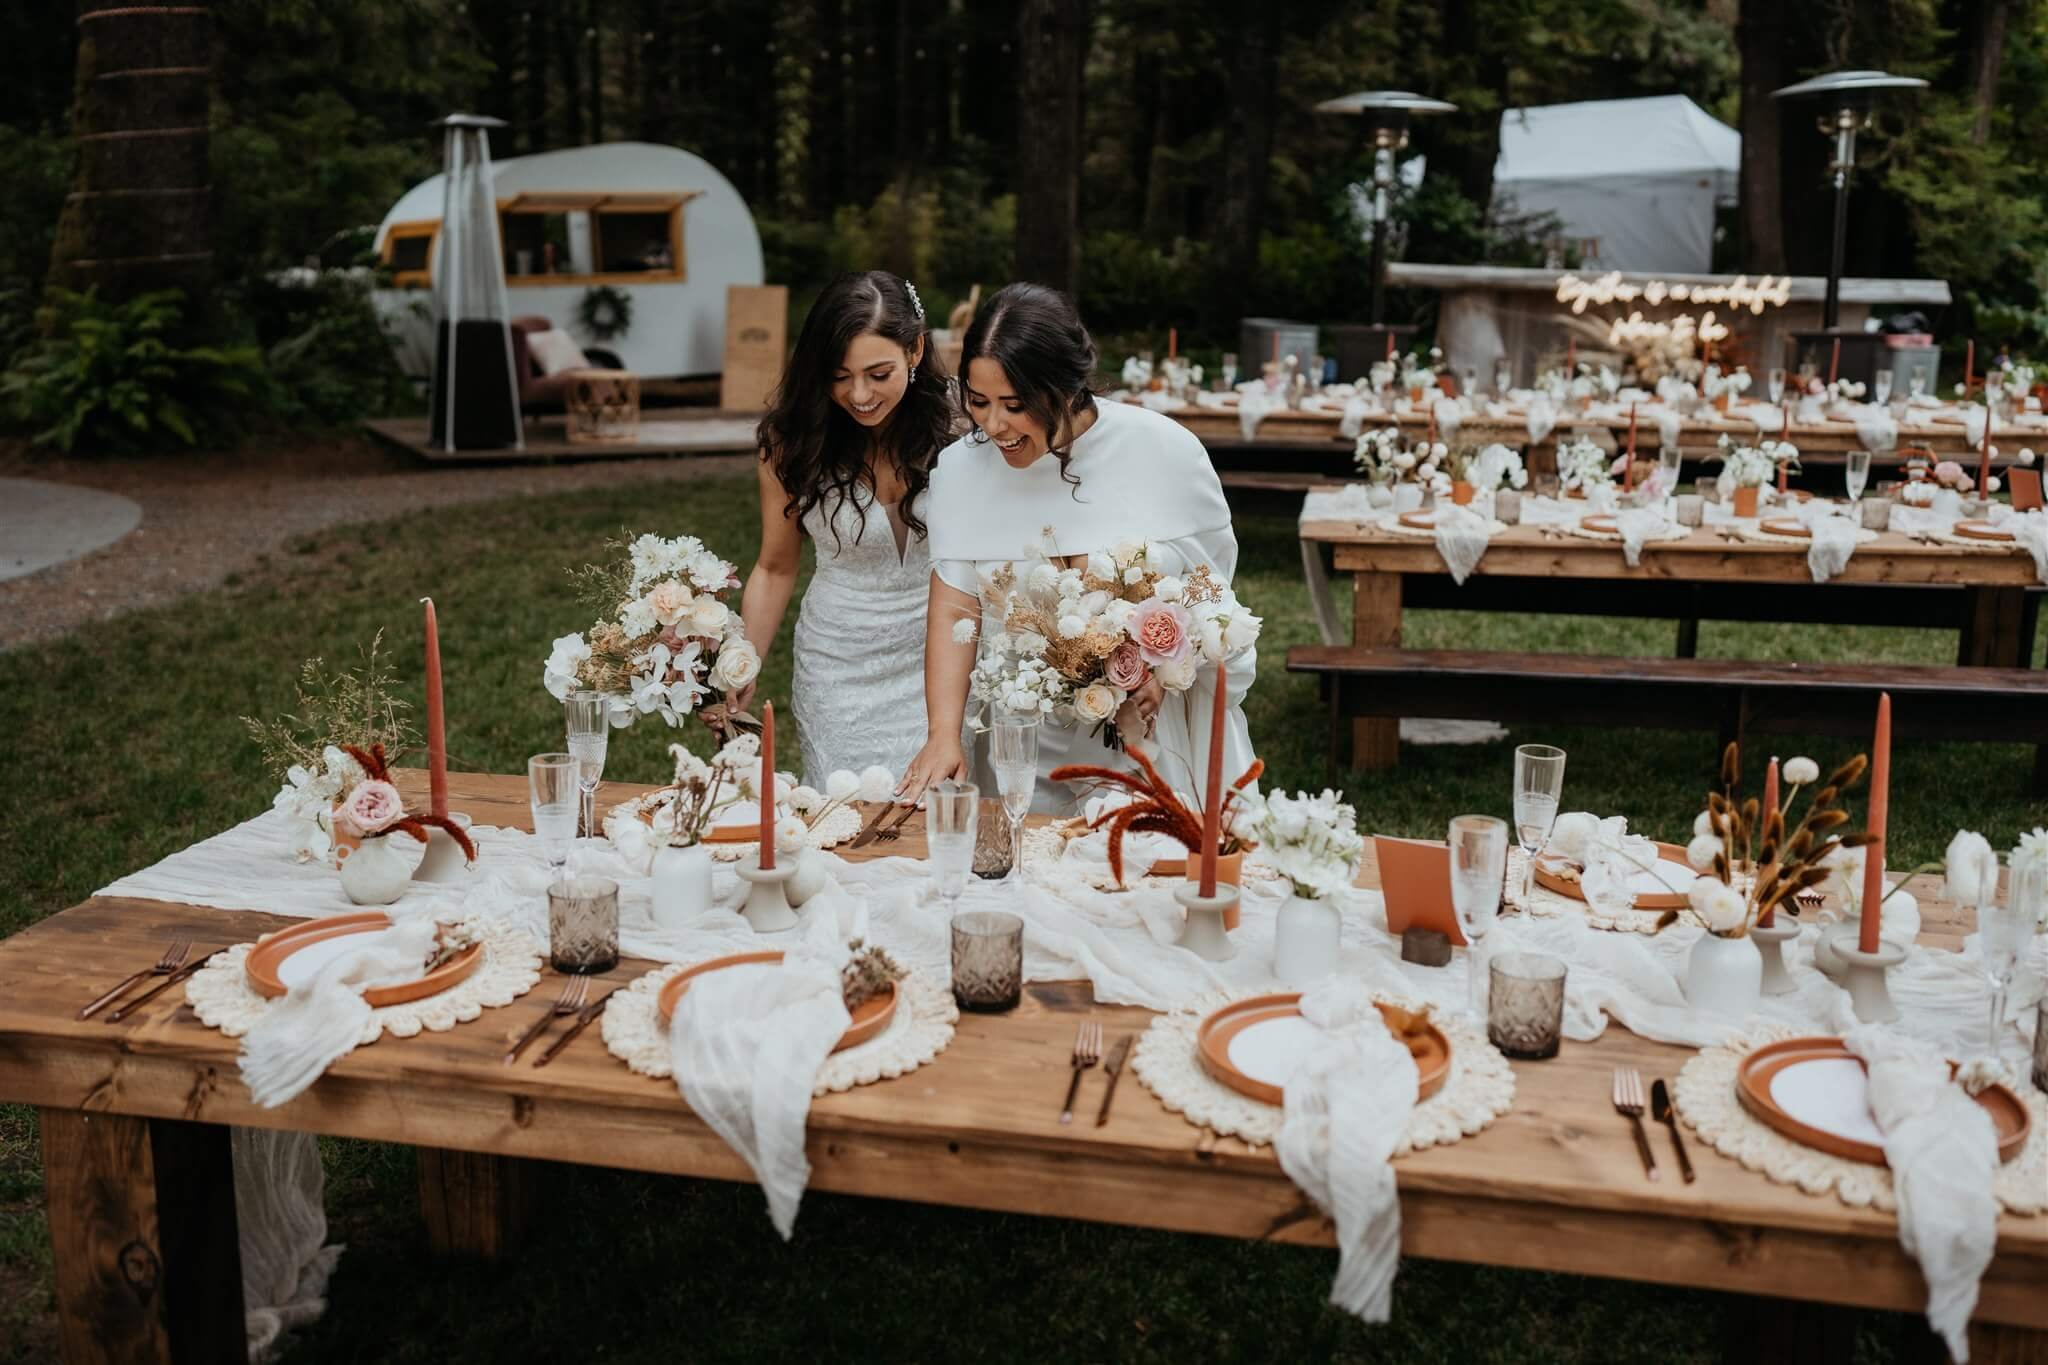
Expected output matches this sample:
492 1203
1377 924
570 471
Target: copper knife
1115 1067
867 831
583 1019
116 1016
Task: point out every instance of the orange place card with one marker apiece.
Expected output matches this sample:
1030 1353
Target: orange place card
1415 877
2026 489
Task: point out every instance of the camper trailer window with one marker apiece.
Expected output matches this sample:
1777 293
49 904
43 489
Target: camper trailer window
539 243
637 243
408 251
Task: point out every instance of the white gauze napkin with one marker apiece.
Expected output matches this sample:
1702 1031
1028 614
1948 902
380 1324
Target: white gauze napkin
1876 427
1541 418
1461 536
2030 529
1347 1107
1637 525
746 1044
1089 853
1943 1152
1253 403
1834 540
1973 424
317 1023
1353 420
1669 424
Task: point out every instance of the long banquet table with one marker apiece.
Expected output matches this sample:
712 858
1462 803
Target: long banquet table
140 1188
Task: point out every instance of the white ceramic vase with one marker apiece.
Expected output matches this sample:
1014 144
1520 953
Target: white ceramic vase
680 882
1407 497
810 878
1305 937
375 873
1724 976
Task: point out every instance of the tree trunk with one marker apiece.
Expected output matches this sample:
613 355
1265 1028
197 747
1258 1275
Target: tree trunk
1760 37
1247 149
594 40
568 52
1987 44
1052 51
137 216
535 30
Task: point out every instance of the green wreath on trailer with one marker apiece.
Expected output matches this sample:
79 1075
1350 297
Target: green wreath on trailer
604 312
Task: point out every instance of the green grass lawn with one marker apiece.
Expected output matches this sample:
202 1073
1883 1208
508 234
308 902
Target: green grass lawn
123 745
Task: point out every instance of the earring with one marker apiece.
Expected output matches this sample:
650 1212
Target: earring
913 374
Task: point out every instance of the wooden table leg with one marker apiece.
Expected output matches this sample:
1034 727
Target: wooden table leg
143 1235
1991 1344
1994 628
1375 624
1756 1329
475 1204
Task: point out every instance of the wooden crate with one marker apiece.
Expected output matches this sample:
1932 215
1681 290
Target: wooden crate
756 336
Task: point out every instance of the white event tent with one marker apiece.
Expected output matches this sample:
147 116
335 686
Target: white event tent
1635 182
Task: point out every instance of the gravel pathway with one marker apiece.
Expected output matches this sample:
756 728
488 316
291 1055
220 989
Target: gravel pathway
205 516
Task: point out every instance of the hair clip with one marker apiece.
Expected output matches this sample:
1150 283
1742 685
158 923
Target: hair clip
915 301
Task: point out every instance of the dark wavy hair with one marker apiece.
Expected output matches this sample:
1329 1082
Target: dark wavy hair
818 451
1035 334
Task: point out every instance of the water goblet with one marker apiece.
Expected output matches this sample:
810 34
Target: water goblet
1503 380
1777 386
1856 474
1918 383
588 734
951 812
1670 462
553 782
1884 386
1479 860
1013 753
1229 370
1539 787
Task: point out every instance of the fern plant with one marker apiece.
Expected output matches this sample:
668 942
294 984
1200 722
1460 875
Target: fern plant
119 375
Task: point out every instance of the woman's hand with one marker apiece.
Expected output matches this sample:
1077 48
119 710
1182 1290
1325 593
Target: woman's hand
1134 719
940 758
742 699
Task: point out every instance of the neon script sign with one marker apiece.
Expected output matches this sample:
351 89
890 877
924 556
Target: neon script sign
1769 291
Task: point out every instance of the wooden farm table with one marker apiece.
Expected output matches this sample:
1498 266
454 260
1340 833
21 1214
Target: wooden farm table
140 1190
1893 580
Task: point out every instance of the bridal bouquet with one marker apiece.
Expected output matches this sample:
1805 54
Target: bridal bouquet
1077 642
665 643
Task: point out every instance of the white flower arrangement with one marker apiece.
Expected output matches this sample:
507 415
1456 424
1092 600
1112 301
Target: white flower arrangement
1715 384
1583 466
1137 374
1383 374
666 642
1180 373
1580 386
307 801
1311 840
1842 391
2015 381
1379 456
1969 870
1495 467
1747 466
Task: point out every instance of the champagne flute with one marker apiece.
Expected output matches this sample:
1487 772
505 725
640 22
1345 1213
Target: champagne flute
1229 371
552 781
1884 386
1479 861
1539 787
1670 463
952 810
1856 474
588 735
1503 380
1013 753
1777 386
1918 383
2003 937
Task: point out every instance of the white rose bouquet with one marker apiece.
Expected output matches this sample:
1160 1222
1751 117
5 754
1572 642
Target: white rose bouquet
1490 469
1747 466
665 642
1582 466
1077 642
1311 840
1380 458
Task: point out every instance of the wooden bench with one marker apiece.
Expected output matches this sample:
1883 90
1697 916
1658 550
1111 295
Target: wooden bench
1729 696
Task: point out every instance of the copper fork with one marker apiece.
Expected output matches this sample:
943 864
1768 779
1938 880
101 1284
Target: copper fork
1087 1052
893 829
173 958
574 991
1628 1099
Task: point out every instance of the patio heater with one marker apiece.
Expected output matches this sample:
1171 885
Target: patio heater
476 395
1848 97
1388 114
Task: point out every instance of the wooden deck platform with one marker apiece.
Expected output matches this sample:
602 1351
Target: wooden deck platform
663 431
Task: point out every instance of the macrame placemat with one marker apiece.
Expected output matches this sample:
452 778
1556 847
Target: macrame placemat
1982 547
637 1035
1864 535
220 993
1707 1102
1669 531
1543 903
1392 523
839 825
1479 1089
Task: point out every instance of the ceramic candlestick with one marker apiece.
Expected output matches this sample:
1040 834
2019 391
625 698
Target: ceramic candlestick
1203 934
444 860
1863 976
1770 941
767 908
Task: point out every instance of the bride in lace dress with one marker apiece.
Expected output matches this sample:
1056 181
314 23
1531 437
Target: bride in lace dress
846 451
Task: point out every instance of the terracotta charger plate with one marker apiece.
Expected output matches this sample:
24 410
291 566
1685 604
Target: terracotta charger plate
1982 530
1785 526
1251 1072
1830 1113
1602 522
735 831
270 976
1421 521
1562 877
868 1021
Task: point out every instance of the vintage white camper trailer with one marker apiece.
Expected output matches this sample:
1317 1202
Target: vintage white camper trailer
657 224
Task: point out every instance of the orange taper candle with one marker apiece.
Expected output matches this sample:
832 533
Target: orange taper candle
1880 801
1390 345
1969 368
437 730
1571 359
1212 813
1788 437
1628 471
768 786
1770 804
1835 360
1172 343
1984 461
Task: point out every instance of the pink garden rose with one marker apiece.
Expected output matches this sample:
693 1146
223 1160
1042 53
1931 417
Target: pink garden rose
1161 630
370 809
1950 474
1125 668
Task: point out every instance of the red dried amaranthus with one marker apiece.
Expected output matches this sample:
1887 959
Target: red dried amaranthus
1154 808
377 769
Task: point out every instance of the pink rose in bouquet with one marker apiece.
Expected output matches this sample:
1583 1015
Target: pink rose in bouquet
1161 631
370 809
1125 668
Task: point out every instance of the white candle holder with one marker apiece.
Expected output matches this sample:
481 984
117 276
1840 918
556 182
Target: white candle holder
1863 976
767 908
444 860
1770 942
1203 934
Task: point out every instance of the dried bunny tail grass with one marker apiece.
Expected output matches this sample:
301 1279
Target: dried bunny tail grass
1731 767
1849 774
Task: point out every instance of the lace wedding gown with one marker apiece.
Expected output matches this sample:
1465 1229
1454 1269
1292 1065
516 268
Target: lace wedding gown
859 686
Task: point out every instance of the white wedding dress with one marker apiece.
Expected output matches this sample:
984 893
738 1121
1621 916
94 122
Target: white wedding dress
859 686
